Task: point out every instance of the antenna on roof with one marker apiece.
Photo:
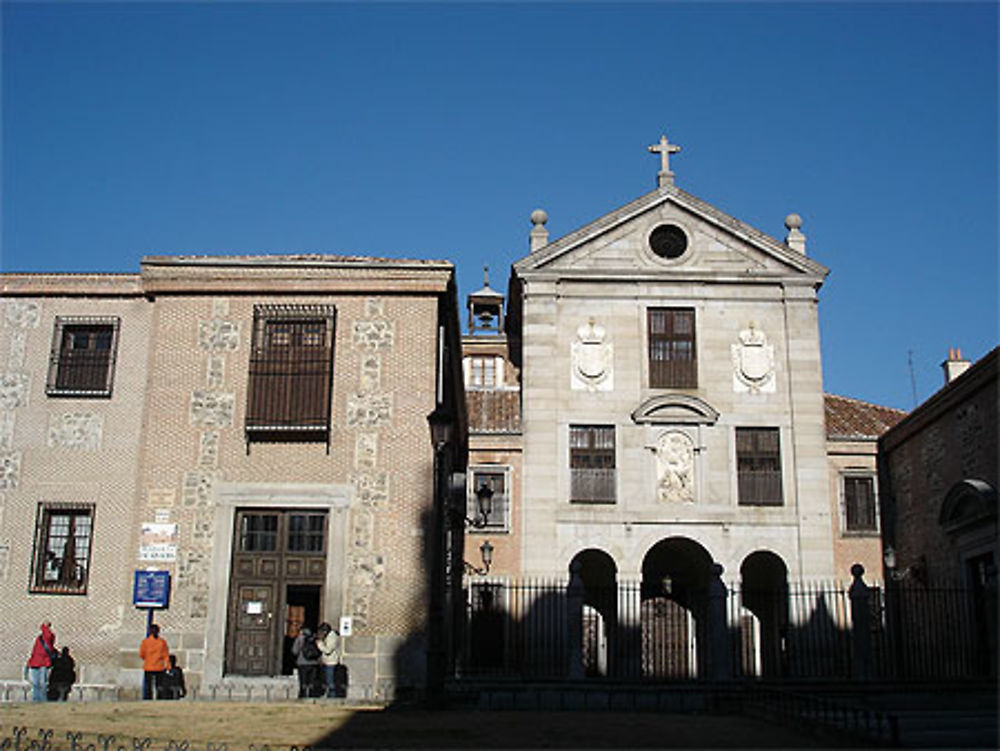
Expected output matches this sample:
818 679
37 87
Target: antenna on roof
913 378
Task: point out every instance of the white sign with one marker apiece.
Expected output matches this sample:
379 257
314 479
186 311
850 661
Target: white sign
158 542
346 625
255 608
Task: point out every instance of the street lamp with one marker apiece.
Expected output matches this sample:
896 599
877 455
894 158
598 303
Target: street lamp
486 553
441 428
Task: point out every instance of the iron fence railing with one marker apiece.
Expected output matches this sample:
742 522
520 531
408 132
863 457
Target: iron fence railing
799 632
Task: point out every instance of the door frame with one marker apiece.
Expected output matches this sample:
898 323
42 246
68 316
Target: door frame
332 498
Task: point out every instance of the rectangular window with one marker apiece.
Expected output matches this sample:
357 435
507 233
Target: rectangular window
758 466
592 463
495 516
258 533
672 362
482 372
306 532
859 504
61 562
291 373
82 359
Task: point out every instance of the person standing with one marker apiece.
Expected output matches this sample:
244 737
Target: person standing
63 676
40 661
155 661
173 681
307 660
328 641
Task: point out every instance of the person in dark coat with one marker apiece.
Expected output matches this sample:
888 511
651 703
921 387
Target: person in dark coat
173 681
62 676
307 661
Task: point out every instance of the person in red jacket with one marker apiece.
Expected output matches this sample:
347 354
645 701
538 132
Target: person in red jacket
41 661
155 660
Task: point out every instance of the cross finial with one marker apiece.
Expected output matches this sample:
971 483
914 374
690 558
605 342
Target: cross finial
486 276
665 149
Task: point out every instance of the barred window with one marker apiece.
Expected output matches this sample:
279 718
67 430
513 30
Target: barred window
82 359
258 533
497 516
61 561
291 373
592 463
672 362
306 532
758 466
860 514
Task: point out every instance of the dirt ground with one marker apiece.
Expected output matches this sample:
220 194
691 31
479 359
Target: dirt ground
322 725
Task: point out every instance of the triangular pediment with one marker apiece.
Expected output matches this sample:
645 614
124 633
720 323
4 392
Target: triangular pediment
716 244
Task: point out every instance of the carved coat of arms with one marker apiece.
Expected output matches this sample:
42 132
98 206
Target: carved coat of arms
592 359
753 362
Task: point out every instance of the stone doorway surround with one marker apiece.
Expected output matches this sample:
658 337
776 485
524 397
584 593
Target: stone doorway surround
332 498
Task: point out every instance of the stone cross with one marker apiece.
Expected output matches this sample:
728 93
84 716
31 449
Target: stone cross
665 149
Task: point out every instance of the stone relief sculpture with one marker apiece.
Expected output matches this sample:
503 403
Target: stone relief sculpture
675 467
753 362
592 359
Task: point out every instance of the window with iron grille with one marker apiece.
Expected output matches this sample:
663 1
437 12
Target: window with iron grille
672 362
860 513
82 360
291 373
496 516
258 533
592 463
306 532
61 560
758 466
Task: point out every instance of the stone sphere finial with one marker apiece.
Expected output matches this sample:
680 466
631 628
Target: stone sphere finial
793 221
717 569
857 570
538 216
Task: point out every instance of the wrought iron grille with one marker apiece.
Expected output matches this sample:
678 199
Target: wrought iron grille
758 466
82 360
672 360
61 559
291 373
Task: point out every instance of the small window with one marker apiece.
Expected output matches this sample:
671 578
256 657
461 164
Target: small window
758 466
82 361
672 362
496 516
61 562
482 373
592 463
291 373
860 513
306 532
258 533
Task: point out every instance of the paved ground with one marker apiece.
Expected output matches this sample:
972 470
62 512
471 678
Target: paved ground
320 725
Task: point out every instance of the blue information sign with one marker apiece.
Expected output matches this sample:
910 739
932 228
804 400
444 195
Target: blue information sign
151 589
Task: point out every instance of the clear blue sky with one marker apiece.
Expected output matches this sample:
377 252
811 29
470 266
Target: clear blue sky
433 130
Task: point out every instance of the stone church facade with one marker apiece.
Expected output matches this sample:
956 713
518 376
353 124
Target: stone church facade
255 426
672 396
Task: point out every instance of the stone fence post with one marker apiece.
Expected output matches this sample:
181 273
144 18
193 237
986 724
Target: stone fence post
720 655
861 626
574 614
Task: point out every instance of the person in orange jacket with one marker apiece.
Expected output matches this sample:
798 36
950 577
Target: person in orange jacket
155 660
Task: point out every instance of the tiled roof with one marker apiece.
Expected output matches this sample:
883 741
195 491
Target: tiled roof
853 418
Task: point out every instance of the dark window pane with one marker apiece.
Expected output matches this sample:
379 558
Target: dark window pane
758 467
592 463
672 362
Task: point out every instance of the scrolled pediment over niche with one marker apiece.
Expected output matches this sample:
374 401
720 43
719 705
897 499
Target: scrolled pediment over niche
675 409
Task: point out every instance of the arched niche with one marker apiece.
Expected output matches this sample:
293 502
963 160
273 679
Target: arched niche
675 409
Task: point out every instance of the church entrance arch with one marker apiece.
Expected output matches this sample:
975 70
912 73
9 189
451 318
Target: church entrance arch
674 609
764 614
598 572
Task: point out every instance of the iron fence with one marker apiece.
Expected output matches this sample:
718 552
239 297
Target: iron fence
799 632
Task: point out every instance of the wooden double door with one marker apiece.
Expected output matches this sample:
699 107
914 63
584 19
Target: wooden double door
276 586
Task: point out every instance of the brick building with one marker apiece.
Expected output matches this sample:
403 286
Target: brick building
256 426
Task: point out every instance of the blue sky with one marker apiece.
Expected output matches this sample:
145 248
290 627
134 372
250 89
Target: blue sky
433 130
